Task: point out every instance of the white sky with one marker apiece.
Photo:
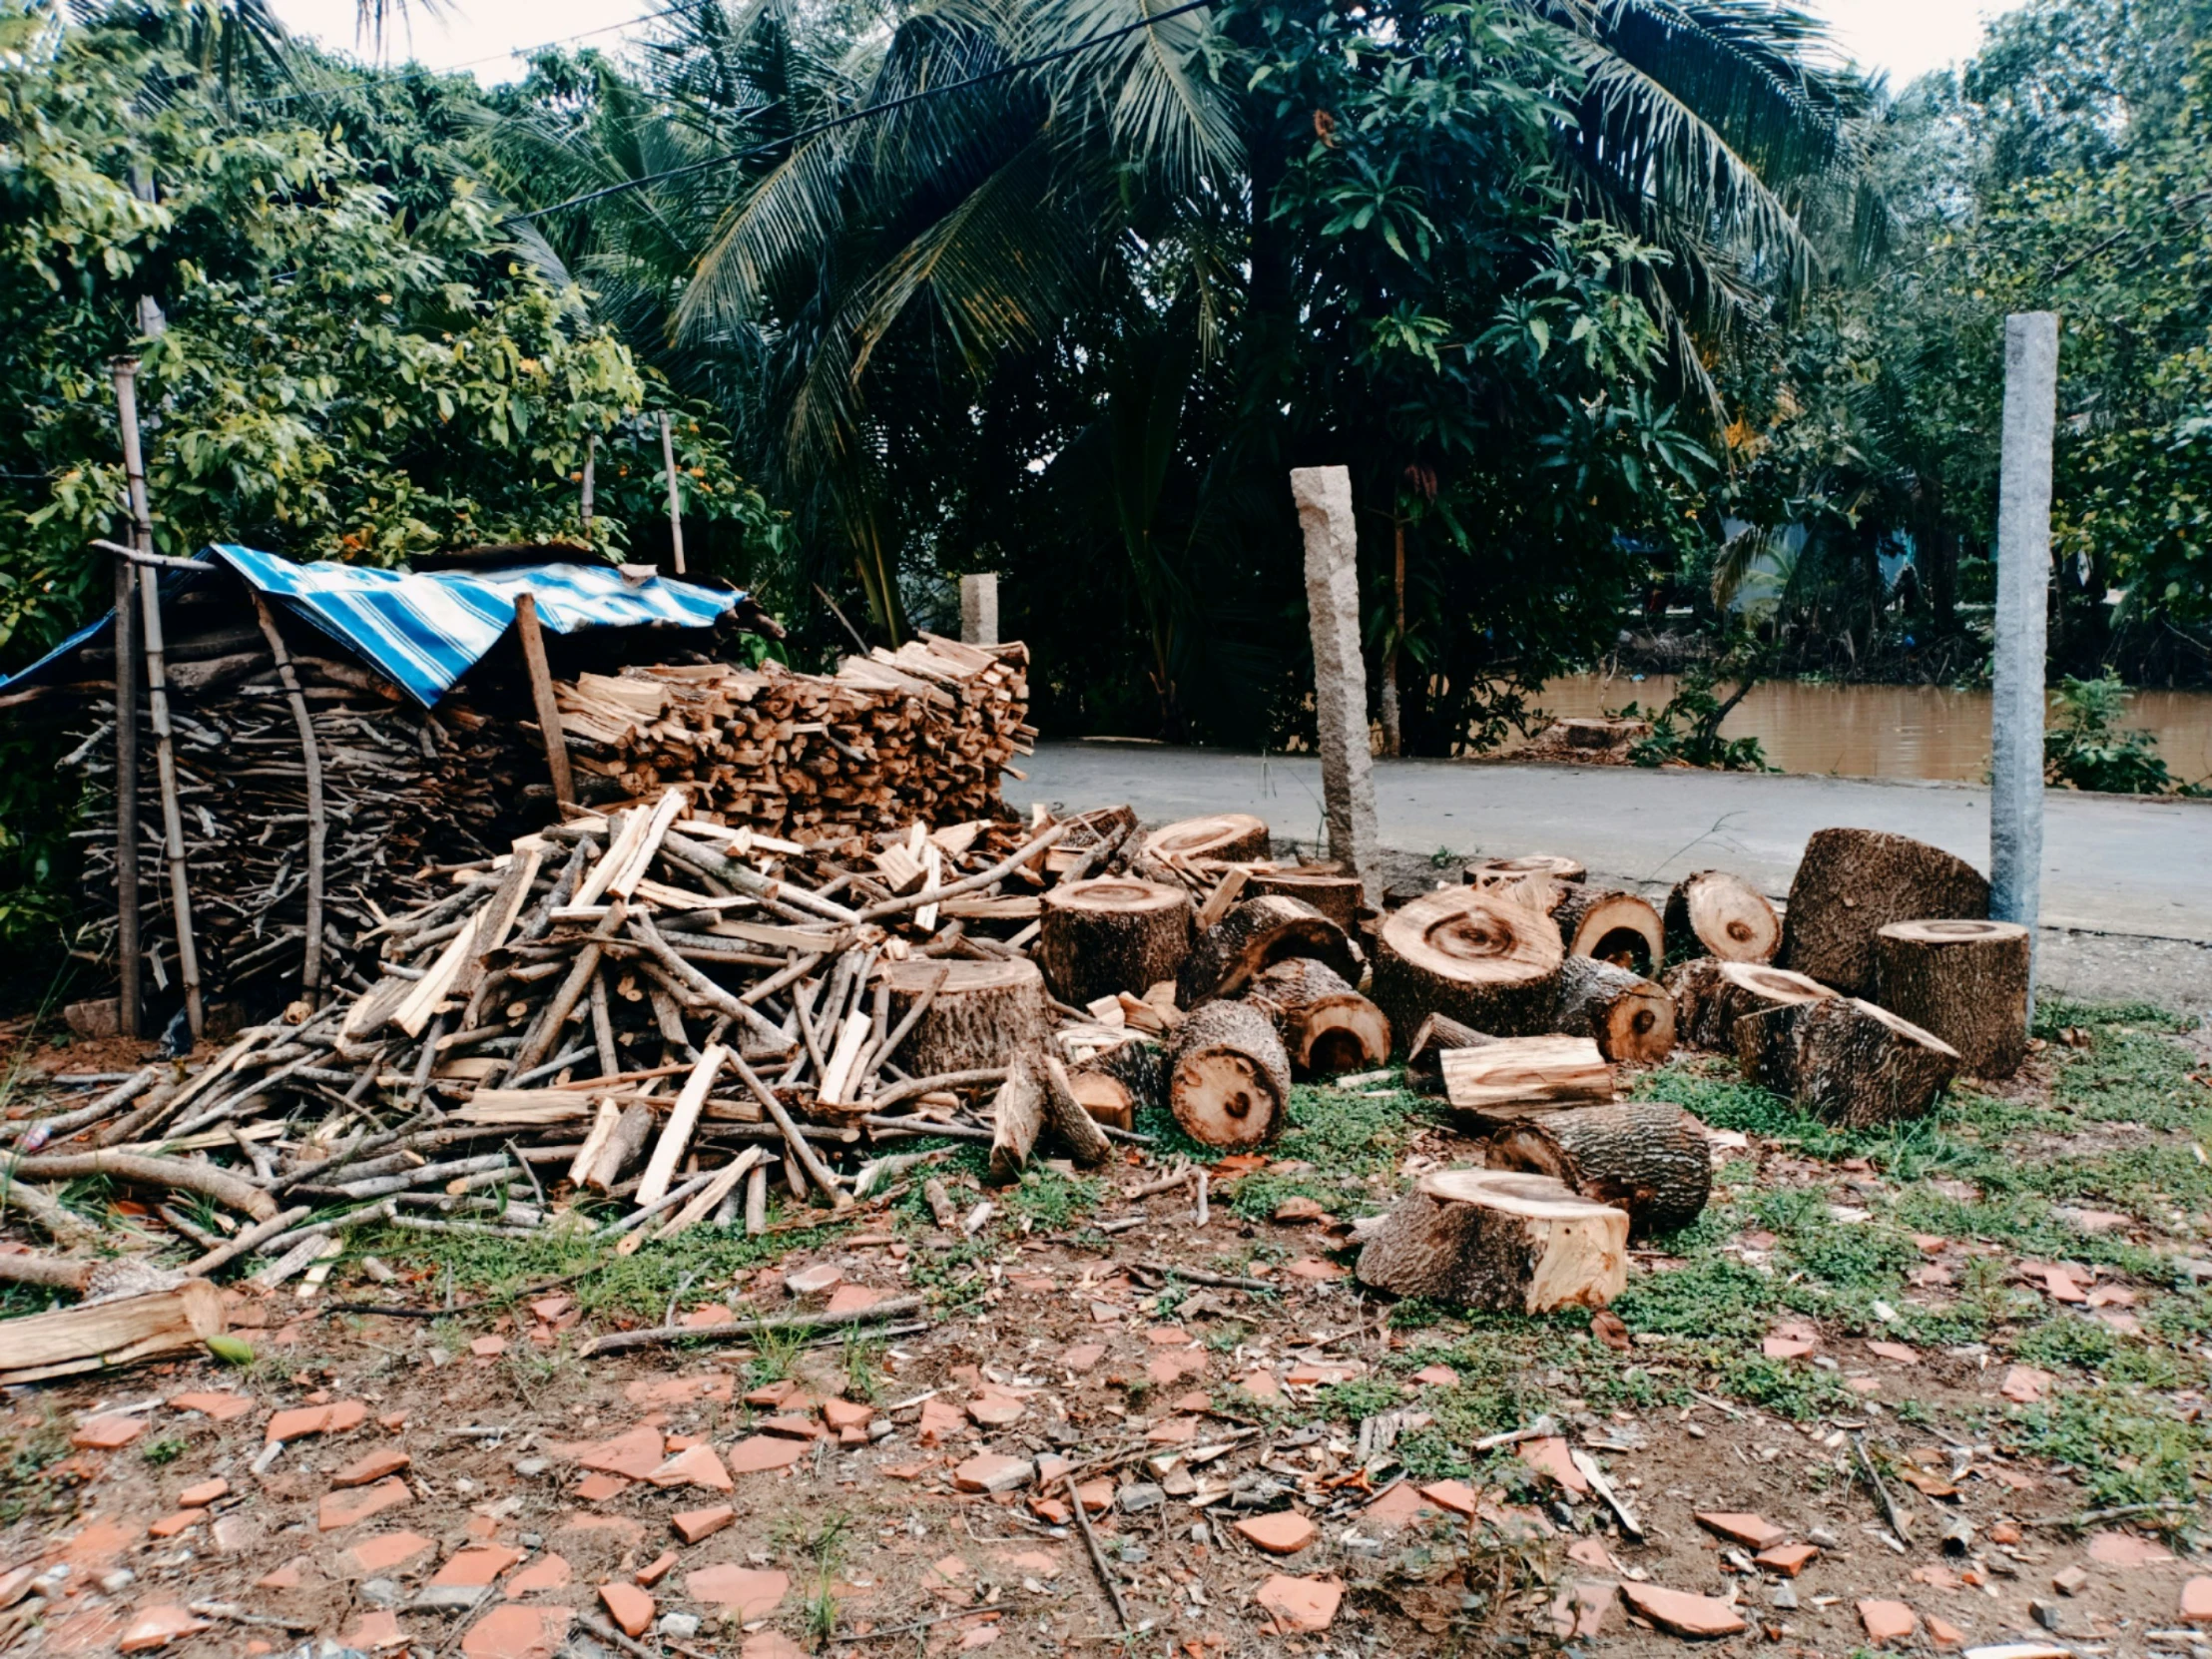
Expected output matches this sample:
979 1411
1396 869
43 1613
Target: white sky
1905 37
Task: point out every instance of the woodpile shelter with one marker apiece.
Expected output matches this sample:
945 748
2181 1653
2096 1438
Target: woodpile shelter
322 746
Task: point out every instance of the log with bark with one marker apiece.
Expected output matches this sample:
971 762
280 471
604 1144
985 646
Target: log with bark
1254 935
1483 961
1017 1118
1851 884
1495 873
1641 1156
1967 981
1613 925
1228 837
100 1334
1327 1026
1713 913
977 1013
1425 1051
1629 1017
1112 933
1499 1241
1846 1062
1229 1079
1117 1082
1337 897
1711 996
1516 1076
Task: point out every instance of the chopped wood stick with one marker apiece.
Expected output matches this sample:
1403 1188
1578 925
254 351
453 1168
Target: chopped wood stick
251 1239
683 1118
56 1222
55 1273
997 871
618 1342
38 1132
1216 1281
177 1174
801 1154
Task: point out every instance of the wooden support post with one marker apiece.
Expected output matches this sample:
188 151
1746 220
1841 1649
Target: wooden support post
674 501
130 949
311 754
1323 498
541 692
2023 588
157 693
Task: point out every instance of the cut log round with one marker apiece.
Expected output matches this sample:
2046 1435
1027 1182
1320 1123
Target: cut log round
1629 1017
1425 1053
1107 1098
1611 924
1229 1079
1846 1062
1125 1078
982 1012
1325 1025
1851 884
1111 933
1967 981
1643 1157
1232 838
1481 960
1335 896
1714 913
1255 934
1515 1076
1499 1240
1709 996
1493 872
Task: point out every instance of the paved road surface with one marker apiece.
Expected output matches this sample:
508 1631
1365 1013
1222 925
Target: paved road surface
2111 866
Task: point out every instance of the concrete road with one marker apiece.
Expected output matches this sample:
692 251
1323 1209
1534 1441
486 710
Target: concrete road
2113 865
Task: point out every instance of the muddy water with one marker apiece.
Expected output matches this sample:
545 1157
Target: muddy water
1926 731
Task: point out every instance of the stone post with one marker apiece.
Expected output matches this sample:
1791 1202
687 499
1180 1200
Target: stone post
1324 497
979 610
2023 587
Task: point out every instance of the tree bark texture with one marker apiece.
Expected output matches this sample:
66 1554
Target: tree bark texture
1070 1122
1641 1156
1714 913
1499 1240
1109 934
1851 884
1711 996
1326 1026
1229 1079
1230 837
1611 924
1017 1117
1255 934
1629 1017
981 1012
1846 1062
1483 961
1492 872
1424 1050
1967 981
1335 896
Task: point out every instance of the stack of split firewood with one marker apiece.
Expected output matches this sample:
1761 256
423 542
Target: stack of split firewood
922 731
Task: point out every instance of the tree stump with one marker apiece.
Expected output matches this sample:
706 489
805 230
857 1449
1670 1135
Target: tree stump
1629 1017
1846 1062
1643 1157
1613 925
1111 933
1499 1240
982 1012
1017 1117
1714 913
1967 981
1515 1076
1325 1025
1851 884
1232 838
1493 872
1481 960
1335 896
1709 996
1425 1052
1254 935
1229 1080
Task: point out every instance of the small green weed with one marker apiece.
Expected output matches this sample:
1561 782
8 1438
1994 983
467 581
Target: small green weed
166 1449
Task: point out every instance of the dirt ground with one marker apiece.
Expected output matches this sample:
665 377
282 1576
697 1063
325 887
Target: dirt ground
2002 1309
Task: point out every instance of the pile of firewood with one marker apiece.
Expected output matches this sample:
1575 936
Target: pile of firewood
920 732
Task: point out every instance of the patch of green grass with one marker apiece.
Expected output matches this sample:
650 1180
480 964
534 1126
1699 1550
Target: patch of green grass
1358 1397
26 1454
1788 1390
1712 1297
166 1449
2122 1442
953 1277
1046 1198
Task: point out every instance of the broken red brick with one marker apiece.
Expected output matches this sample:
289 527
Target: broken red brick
1679 1613
1285 1532
629 1606
375 1466
693 1525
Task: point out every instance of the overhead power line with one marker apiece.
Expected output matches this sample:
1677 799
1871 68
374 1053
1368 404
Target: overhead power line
398 75
851 116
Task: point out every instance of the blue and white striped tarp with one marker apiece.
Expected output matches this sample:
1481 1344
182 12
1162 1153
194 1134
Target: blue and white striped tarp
423 630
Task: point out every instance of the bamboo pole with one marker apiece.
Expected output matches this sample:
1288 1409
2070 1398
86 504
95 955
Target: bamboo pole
130 949
541 692
310 967
675 503
157 695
